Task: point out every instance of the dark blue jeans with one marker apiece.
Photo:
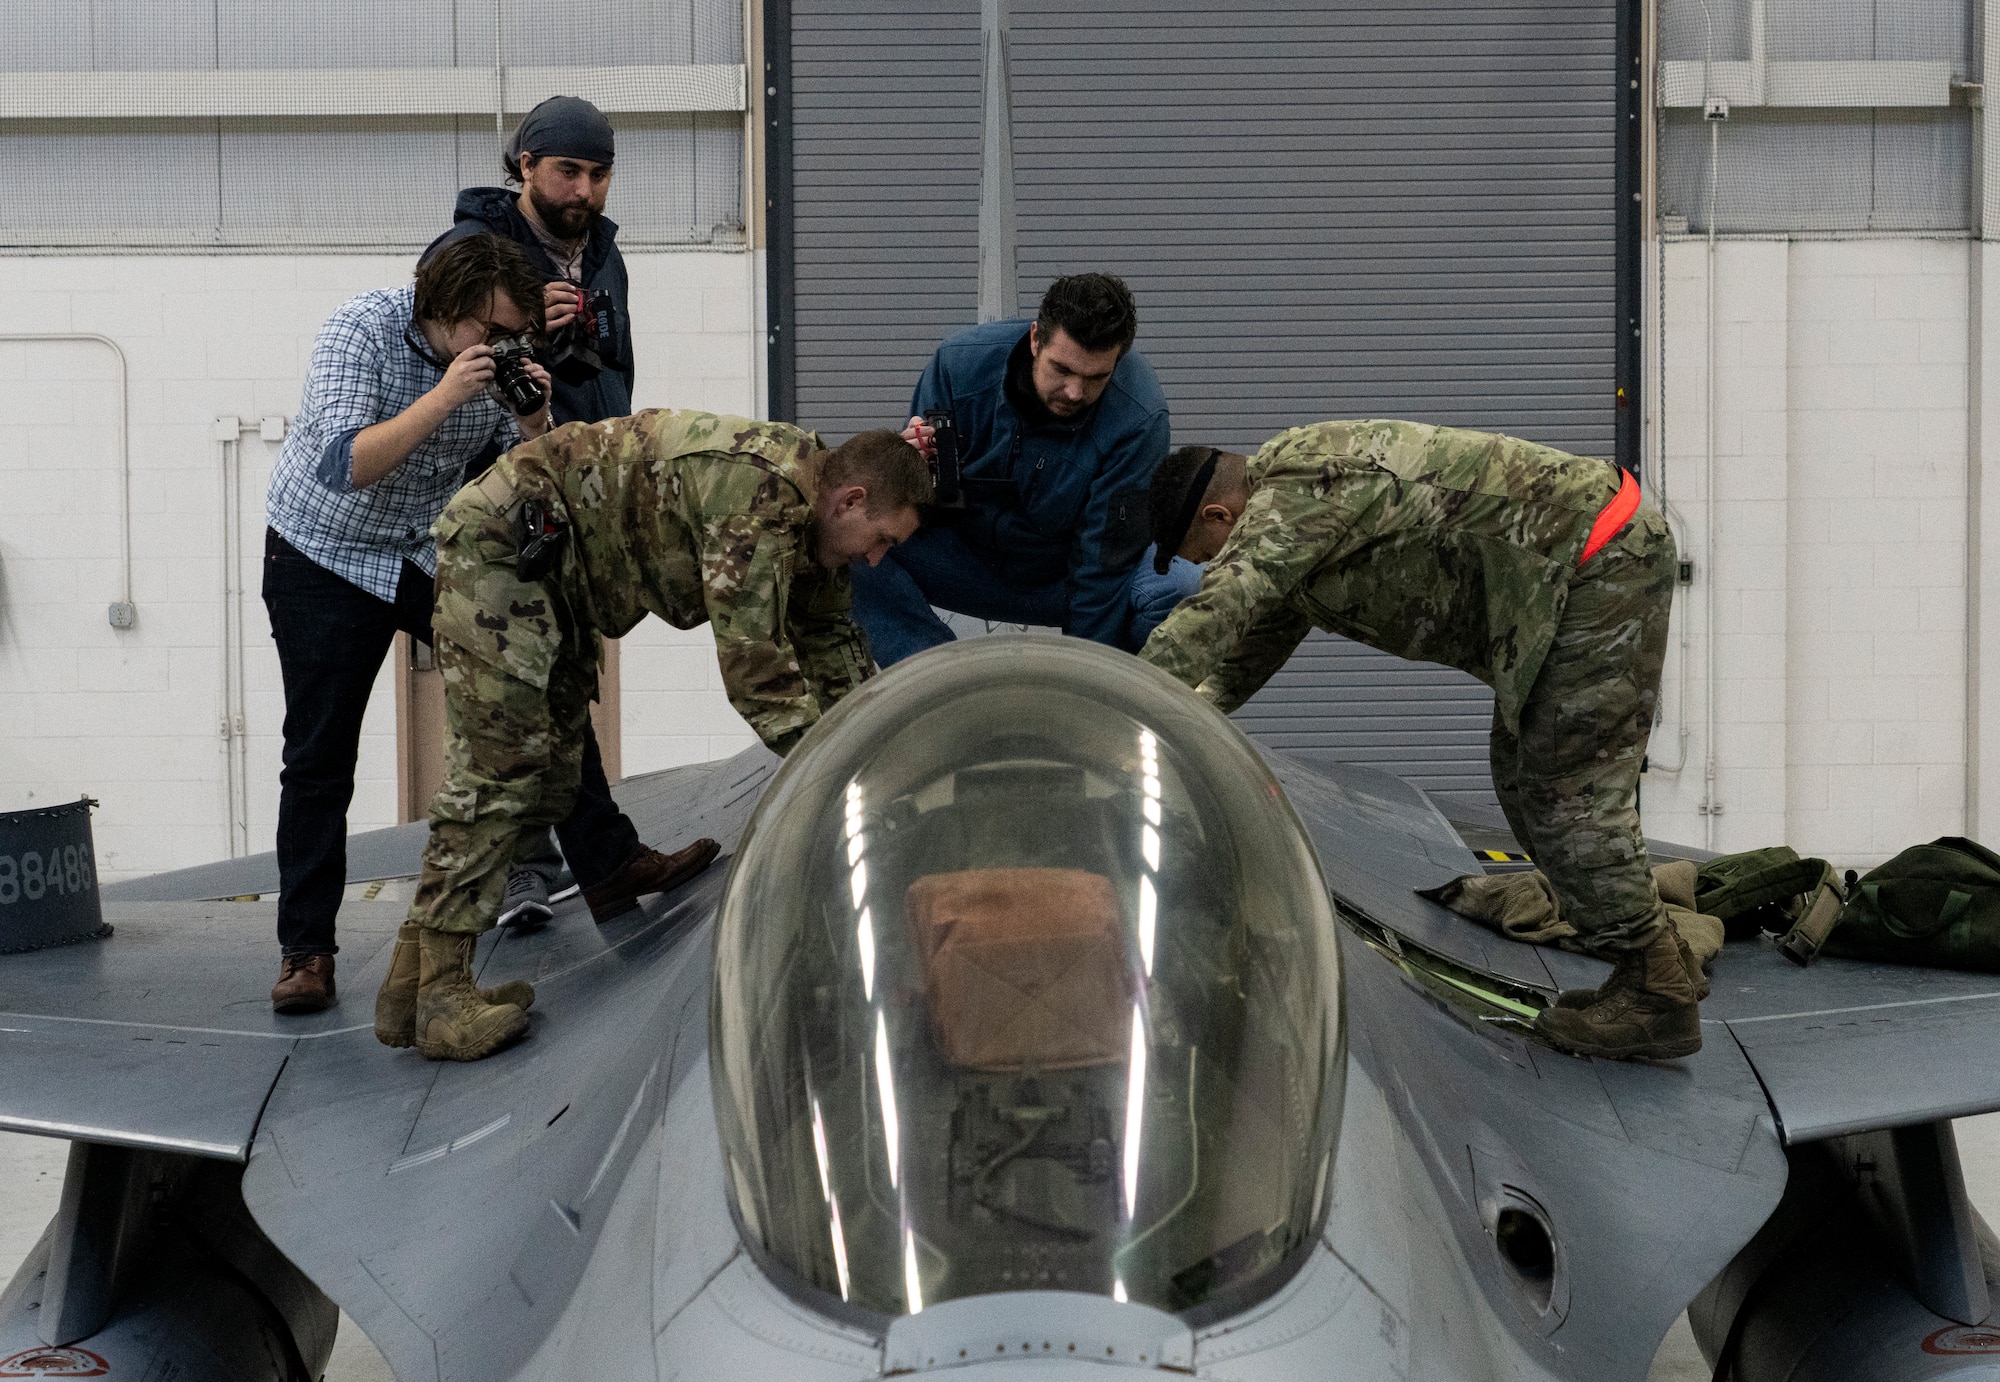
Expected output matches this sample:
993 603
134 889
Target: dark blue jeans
332 636
893 601
897 602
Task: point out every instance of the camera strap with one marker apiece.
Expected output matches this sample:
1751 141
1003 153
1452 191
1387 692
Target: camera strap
414 339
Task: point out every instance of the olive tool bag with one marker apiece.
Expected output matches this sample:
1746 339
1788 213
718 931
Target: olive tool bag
1936 904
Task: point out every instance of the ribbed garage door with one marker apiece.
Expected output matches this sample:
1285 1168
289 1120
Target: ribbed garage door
1334 210
884 211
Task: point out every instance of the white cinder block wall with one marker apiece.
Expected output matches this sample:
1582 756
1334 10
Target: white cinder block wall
1839 416
133 717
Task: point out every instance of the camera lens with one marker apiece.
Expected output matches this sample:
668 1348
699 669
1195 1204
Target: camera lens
517 386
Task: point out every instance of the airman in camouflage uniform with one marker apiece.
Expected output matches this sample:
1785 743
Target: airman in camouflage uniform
1538 572
746 526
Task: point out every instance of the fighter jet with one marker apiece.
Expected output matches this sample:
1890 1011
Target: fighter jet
1039 1027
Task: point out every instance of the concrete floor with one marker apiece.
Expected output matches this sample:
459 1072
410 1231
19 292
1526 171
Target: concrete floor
31 1172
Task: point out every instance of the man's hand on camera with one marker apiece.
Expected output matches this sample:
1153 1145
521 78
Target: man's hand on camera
923 436
561 301
468 376
538 422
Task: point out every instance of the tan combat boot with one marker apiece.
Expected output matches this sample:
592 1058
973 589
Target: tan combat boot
1626 970
454 1021
1653 1015
396 1001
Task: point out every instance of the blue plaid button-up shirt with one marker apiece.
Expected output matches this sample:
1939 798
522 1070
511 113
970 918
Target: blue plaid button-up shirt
366 368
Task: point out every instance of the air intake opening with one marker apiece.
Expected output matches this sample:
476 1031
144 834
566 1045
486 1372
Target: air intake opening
1525 1245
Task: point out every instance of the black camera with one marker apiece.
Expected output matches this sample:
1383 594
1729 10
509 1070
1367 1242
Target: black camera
576 353
947 491
510 358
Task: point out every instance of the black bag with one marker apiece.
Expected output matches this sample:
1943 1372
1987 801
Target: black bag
1936 904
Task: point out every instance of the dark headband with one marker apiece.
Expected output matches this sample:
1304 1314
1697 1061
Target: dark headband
564 127
1167 544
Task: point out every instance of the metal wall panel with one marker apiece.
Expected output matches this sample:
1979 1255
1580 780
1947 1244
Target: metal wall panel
885 172
1328 210
1341 210
179 177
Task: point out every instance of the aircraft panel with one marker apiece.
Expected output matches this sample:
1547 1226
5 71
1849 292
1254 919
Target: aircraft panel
173 1088
470 1207
1378 838
393 852
1846 1045
162 1035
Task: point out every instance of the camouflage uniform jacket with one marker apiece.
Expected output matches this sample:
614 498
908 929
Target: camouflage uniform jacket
698 519
1432 543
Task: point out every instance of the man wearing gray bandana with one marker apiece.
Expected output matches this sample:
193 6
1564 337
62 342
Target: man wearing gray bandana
558 167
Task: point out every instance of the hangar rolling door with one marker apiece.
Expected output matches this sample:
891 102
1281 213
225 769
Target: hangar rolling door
1344 209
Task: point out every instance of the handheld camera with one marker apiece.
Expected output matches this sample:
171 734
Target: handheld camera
945 460
576 353
510 374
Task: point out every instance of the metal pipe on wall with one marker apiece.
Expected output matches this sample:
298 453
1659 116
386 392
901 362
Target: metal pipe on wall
234 726
122 613
757 405
1986 222
1709 805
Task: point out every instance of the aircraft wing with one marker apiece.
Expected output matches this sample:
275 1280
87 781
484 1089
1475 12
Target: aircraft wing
164 1037
1848 1045
1841 1047
392 852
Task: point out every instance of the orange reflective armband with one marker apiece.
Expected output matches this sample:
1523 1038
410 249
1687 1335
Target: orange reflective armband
1615 516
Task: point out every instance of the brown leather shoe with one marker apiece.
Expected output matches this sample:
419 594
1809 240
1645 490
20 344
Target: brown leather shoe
648 871
305 985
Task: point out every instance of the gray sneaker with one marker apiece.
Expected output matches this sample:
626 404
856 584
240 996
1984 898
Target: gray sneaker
527 905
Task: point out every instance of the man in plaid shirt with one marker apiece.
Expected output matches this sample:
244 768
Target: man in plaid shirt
399 408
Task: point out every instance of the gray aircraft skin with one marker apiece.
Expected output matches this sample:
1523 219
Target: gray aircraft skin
1229 1100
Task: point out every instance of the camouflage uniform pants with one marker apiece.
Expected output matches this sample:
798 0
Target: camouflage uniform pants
518 686
1569 781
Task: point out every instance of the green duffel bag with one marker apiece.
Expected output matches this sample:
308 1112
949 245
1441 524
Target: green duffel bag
1758 889
1936 904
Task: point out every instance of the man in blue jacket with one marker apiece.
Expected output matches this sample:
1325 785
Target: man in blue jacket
1060 426
561 158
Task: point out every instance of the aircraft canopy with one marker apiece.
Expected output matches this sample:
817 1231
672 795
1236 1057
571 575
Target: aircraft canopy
1026 980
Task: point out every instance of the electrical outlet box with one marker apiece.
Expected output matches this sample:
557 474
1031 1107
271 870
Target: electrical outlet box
123 614
271 428
1684 571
